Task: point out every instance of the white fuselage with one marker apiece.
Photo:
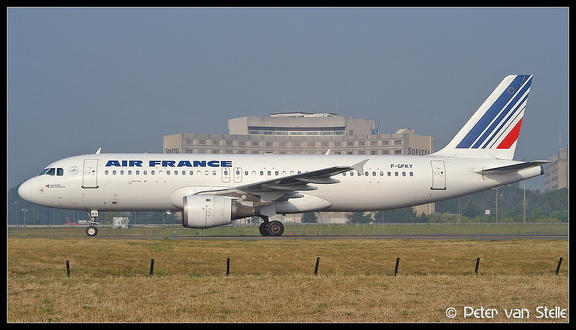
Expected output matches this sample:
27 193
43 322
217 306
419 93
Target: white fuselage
158 182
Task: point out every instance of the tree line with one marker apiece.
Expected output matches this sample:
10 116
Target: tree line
507 204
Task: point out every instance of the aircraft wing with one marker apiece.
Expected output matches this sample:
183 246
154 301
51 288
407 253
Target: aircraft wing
298 182
286 187
511 168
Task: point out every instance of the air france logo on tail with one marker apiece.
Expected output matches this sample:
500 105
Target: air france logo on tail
499 126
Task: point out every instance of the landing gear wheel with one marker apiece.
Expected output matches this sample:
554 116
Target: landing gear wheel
91 231
275 228
264 229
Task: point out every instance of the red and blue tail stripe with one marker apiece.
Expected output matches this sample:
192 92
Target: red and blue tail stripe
500 125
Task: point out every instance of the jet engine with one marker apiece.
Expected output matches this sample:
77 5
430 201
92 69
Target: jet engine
205 211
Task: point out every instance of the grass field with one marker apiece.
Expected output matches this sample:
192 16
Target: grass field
274 281
297 230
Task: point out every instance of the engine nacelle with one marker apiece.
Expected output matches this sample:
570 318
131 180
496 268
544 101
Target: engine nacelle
205 211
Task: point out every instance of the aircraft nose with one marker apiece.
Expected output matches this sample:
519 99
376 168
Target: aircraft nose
27 191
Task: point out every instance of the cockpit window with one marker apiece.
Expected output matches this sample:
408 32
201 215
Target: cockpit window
52 171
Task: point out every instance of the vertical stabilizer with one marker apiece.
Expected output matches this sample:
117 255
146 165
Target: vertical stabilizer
493 130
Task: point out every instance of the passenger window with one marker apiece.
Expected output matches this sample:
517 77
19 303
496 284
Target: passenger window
121 172
106 172
129 172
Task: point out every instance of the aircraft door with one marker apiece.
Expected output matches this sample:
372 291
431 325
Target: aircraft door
438 175
90 177
237 174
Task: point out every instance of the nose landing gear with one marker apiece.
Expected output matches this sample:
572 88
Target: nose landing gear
92 230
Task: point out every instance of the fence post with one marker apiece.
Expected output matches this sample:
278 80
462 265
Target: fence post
396 268
68 268
227 266
558 267
477 264
151 267
317 264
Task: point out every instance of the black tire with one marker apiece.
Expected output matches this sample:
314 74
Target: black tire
276 228
264 229
92 231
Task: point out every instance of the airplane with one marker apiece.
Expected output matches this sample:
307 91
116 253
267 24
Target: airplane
215 189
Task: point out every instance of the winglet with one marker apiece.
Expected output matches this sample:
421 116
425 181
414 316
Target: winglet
359 166
98 151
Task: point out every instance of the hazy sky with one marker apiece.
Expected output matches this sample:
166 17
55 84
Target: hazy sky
121 78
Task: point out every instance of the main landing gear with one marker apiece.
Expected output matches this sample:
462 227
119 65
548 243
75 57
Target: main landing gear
271 228
92 230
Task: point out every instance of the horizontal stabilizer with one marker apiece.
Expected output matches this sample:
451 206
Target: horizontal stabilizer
511 168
